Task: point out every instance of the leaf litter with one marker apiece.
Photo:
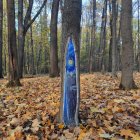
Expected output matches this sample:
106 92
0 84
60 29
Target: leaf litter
30 112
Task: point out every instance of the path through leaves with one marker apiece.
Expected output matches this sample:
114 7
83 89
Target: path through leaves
29 112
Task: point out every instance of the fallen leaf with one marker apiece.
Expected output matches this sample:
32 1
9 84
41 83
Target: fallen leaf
126 132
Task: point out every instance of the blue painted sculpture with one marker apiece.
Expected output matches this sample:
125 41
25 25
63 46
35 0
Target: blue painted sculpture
70 86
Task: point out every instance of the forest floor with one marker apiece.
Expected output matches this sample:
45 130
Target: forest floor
29 112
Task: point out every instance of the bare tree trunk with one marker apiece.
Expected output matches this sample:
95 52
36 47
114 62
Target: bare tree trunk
21 37
71 28
138 37
110 44
12 47
54 70
39 57
102 37
127 81
93 38
32 68
119 46
46 53
1 37
114 36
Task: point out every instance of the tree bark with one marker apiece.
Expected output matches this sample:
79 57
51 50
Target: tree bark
102 38
119 45
54 70
93 38
1 37
12 47
138 38
71 18
114 41
46 52
110 43
32 68
127 81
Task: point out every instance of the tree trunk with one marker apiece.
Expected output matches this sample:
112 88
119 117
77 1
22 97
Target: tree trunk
12 47
46 53
127 81
138 38
114 41
1 37
93 38
21 37
54 70
32 67
71 18
102 38
39 57
110 44
119 46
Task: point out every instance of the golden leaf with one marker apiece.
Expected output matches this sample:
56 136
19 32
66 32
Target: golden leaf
61 126
126 132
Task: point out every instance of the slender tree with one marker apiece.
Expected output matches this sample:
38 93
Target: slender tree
102 45
127 81
71 28
54 70
93 38
138 37
114 37
1 37
110 43
12 47
32 68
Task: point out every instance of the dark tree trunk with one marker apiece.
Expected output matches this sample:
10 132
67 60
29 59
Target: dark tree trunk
12 47
93 38
119 42
102 38
39 57
21 37
138 37
110 44
127 81
54 70
1 37
32 67
114 36
71 27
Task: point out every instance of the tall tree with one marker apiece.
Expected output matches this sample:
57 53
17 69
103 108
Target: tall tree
114 37
138 36
54 70
110 43
102 45
71 19
23 26
1 38
12 47
93 38
127 81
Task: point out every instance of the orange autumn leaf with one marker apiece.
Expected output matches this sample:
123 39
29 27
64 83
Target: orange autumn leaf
126 132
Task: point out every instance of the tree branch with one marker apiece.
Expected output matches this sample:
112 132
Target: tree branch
28 13
27 26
